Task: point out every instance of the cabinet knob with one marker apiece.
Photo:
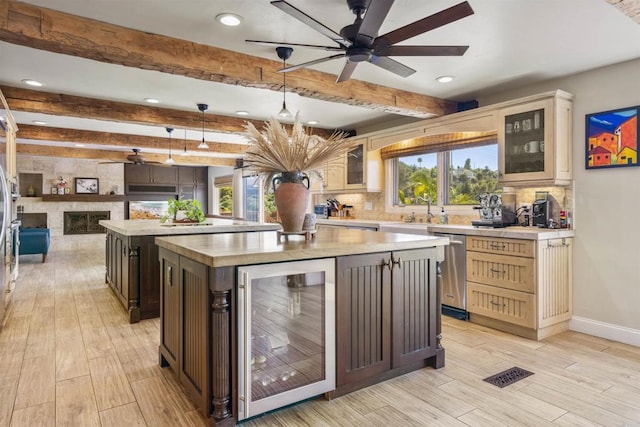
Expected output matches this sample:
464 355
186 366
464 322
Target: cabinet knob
388 264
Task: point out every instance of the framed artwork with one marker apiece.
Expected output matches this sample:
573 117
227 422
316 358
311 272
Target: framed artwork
54 190
87 186
612 138
60 191
67 190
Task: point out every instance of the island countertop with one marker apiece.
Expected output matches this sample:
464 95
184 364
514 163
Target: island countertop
228 249
152 227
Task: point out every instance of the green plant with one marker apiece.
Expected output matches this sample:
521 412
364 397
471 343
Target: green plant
191 207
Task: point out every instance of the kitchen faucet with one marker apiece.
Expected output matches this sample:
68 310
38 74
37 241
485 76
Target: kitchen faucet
428 200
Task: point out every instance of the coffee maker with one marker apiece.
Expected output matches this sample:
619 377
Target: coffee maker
493 213
540 213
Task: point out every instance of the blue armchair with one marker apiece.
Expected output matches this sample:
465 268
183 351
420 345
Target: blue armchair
35 241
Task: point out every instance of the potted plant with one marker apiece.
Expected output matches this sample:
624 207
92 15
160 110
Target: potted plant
184 211
285 160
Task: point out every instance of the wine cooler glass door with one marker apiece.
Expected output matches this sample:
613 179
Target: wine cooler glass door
286 324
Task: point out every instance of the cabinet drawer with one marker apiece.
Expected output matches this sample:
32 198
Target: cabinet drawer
496 245
501 304
509 272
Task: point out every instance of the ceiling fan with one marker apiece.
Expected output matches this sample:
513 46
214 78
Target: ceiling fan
360 42
137 159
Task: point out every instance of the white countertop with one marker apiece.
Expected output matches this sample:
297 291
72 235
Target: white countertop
153 227
220 250
516 232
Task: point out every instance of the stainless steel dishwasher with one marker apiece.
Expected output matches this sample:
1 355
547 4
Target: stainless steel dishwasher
453 277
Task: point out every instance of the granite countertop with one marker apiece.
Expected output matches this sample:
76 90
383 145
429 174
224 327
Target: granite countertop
220 250
516 232
152 227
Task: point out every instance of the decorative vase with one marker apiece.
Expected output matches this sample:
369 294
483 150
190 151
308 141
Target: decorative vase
292 198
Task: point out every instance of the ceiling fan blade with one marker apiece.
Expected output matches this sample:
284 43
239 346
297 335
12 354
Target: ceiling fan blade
421 51
347 70
306 19
373 18
392 65
307 64
436 20
310 46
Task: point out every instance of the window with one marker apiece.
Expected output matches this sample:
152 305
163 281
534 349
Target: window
453 177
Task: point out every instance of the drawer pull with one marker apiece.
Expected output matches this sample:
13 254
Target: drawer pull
497 271
398 262
497 246
498 304
170 276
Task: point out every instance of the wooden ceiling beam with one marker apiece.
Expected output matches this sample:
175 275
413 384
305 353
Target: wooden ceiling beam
116 156
48 133
34 101
40 28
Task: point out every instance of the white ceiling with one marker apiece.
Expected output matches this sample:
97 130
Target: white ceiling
512 43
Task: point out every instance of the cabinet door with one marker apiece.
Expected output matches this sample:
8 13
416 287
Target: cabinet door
201 175
117 256
186 174
140 174
415 308
526 142
164 174
334 177
170 307
194 356
363 309
355 165
200 194
187 191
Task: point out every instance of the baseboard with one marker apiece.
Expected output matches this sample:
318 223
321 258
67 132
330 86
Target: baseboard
605 330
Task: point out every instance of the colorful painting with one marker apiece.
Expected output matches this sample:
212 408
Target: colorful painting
612 138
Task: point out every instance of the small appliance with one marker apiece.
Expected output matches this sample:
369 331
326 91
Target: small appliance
540 213
321 211
493 213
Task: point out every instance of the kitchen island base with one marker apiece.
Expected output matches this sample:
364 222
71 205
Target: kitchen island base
379 338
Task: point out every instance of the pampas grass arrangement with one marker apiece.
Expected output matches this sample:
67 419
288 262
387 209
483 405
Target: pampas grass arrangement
273 150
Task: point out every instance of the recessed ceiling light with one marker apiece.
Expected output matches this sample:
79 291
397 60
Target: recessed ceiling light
242 113
39 122
312 122
31 82
79 145
229 19
152 100
445 79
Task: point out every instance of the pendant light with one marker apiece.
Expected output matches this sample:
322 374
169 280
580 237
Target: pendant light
284 53
203 107
169 160
184 152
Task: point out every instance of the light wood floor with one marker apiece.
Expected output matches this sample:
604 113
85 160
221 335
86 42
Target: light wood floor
68 357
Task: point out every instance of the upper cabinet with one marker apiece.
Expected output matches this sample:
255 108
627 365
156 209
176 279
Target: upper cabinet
358 170
534 141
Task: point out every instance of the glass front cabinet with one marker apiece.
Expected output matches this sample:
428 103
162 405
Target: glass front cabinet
534 142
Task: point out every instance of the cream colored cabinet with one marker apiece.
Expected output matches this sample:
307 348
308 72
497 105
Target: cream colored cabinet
359 170
535 140
519 286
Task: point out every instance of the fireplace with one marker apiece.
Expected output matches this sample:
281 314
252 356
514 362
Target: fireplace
85 222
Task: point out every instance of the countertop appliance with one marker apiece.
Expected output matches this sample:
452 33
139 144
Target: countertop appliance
540 213
321 211
493 213
453 277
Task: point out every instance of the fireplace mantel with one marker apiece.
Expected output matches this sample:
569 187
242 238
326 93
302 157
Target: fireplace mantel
83 198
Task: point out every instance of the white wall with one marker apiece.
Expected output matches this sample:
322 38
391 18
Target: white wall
607 202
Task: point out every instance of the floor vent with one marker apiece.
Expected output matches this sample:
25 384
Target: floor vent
508 377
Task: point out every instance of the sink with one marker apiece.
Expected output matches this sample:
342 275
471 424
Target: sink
406 227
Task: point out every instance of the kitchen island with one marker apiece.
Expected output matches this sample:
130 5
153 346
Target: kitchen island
131 257
250 323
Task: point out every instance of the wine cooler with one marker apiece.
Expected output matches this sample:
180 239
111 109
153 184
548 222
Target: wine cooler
286 334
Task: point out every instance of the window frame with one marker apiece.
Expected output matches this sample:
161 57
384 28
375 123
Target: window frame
442 164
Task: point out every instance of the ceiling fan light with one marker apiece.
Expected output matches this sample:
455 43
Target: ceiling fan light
229 19
152 100
445 79
32 82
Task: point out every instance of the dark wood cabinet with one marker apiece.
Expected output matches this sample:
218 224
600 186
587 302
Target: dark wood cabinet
192 175
132 272
149 174
386 316
363 310
185 329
